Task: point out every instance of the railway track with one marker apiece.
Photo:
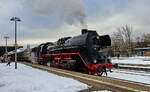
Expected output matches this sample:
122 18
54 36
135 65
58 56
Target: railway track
97 83
146 65
139 67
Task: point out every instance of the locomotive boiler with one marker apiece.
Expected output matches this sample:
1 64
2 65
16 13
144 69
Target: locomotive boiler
80 53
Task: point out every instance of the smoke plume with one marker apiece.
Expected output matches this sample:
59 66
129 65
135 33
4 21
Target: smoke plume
71 11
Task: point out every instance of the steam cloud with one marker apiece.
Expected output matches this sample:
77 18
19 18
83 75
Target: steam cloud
73 11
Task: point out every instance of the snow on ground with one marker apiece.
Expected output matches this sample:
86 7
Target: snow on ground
144 67
131 77
146 58
131 60
136 76
133 72
28 79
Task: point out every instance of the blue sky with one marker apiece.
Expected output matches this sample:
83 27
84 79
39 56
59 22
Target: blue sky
46 20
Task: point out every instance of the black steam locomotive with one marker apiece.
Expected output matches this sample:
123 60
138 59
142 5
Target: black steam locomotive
79 53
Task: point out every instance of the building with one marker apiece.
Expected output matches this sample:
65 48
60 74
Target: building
142 51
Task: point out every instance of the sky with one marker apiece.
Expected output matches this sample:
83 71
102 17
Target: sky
49 20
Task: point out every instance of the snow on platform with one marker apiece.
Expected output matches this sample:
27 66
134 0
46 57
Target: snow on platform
142 67
132 60
28 79
135 76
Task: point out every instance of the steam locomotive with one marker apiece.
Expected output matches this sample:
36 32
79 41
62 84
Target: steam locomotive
80 53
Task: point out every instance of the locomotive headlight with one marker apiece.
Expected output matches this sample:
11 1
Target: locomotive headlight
94 61
97 37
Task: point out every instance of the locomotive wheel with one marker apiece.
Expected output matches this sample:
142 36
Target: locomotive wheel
48 64
100 73
89 72
102 69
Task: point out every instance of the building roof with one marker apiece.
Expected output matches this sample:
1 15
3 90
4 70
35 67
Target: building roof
142 48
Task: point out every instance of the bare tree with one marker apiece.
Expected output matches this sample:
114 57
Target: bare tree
122 39
117 40
145 40
114 43
127 34
138 42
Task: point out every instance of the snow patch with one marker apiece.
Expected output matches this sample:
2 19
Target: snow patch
28 79
131 60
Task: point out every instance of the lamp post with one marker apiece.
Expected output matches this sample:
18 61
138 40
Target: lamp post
6 53
15 19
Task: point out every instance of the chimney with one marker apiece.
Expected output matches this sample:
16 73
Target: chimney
84 31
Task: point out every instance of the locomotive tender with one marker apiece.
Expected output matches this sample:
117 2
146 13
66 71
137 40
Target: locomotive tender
80 53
